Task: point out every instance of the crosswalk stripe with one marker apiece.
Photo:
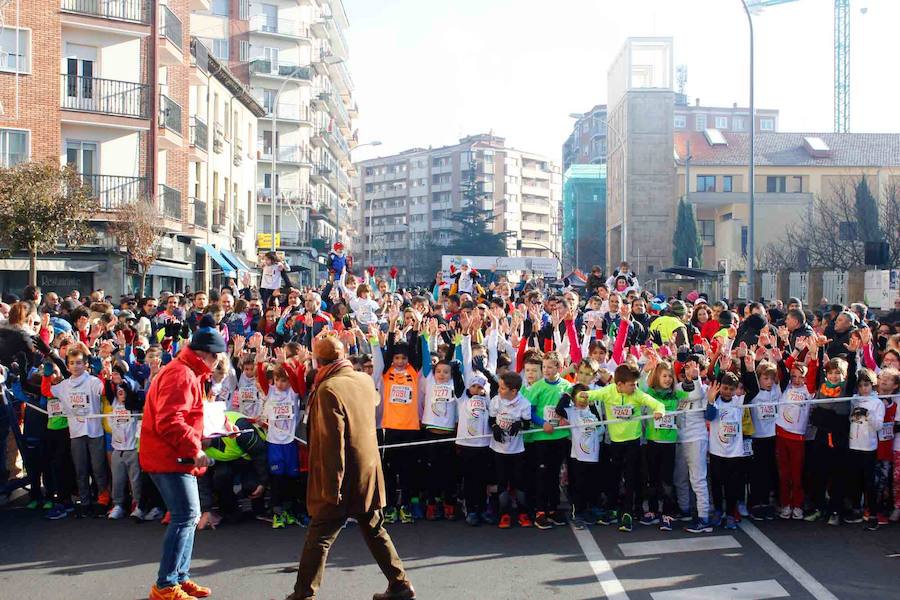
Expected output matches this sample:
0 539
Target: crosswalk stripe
612 587
695 544
748 590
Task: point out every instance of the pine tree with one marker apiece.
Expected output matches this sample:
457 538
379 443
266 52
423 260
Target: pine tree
686 241
867 213
475 236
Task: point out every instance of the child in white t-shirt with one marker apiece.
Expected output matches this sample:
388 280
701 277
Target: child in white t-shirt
584 466
866 422
124 462
509 416
271 276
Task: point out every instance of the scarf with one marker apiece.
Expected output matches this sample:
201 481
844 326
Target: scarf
327 371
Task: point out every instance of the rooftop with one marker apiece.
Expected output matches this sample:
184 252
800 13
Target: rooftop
791 149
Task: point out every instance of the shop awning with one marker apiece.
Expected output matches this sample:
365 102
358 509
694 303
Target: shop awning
236 260
227 268
164 269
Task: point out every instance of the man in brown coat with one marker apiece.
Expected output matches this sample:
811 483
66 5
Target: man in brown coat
345 476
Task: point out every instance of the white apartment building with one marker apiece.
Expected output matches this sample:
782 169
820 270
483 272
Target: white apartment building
293 54
405 199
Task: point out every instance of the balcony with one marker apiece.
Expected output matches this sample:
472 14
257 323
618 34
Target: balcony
294 155
218 138
237 155
326 27
240 223
336 142
200 216
220 219
199 62
170 131
336 104
116 191
320 173
340 75
104 96
800 199
199 138
130 11
299 197
171 37
283 28
169 202
294 113
268 68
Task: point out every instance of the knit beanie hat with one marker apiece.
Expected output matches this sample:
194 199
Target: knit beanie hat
207 339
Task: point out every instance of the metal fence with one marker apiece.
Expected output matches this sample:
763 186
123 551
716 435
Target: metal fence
170 26
115 191
170 202
136 11
107 96
169 114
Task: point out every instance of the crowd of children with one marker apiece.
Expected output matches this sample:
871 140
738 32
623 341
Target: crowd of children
502 402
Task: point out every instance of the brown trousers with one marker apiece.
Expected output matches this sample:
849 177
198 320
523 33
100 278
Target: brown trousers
321 535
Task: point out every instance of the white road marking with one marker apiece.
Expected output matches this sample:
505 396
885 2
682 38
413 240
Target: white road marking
810 583
748 590
694 544
612 587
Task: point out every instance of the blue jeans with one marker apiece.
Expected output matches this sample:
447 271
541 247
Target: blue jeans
179 491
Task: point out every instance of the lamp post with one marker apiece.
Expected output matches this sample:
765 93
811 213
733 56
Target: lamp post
751 259
337 211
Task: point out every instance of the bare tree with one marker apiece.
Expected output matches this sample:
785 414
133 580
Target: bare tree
136 227
43 205
890 220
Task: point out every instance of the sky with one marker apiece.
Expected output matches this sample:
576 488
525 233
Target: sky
428 72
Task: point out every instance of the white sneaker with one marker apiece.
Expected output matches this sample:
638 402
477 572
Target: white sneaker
785 512
895 515
137 514
116 513
742 509
797 514
154 514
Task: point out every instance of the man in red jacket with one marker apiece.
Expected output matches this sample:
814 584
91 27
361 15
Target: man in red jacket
172 429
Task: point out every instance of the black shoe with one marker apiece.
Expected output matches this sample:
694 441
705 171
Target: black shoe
405 592
758 513
81 511
872 524
542 522
854 516
557 518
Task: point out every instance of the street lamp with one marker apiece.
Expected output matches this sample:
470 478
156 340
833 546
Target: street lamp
337 212
751 260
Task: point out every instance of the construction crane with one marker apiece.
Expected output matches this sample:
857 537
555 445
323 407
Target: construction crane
841 58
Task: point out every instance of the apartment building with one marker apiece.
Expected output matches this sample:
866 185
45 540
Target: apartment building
405 200
793 172
588 143
584 217
293 54
120 91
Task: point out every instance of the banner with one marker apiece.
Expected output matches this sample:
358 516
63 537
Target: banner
548 267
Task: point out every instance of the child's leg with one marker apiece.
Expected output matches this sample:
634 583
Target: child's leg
867 463
653 452
119 477
897 479
133 463
632 474
695 454
502 468
680 478
883 485
797 452
517 480
82 461
761 470
667 473
99 465
717 477
783 454
735 476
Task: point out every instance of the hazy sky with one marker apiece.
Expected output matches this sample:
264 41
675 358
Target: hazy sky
429 71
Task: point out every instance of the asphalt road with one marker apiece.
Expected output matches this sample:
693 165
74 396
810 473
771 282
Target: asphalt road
98 559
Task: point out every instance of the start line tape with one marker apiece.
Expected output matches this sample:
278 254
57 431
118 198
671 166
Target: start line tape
559 428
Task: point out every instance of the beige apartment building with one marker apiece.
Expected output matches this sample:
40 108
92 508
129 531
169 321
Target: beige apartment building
124 93
793 171
405 200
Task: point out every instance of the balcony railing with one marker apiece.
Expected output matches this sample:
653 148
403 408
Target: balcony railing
301 196
199 133
278 69
106 96
264 24
201 54
289 112
170 202
169 114
201 219
335 140
170 26
289 154
135 11
115 191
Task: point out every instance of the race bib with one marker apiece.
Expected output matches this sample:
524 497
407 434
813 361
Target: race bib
505 421
79 404
122 415
728 430
400 394
684 404
887 432
766 411
622 411
284 412
748 447
54 408
477 406
665 422
550 415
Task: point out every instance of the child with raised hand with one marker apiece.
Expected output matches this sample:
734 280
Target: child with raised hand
763 412
621 403
866 422
548 444
281 413
124 463
584 468
791 423
658 380
473 454
889 383
247 398
509 416
693 445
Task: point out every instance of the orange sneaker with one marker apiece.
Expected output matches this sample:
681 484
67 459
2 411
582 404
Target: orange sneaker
524 521
169 593
195 590
103 498
505 522
167 518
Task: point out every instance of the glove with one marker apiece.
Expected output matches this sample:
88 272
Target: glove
48 369
498 433
393 272
452 269
371 270
139 355
40 345
515 428
172 328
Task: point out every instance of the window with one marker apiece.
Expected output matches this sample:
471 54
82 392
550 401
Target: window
700 122
776 184
82 156
721 122
795 184
244 10
221 7
737 123
13 147
847 231
706 183
16 50
767 124
707 231
244 51
726 183
680 121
